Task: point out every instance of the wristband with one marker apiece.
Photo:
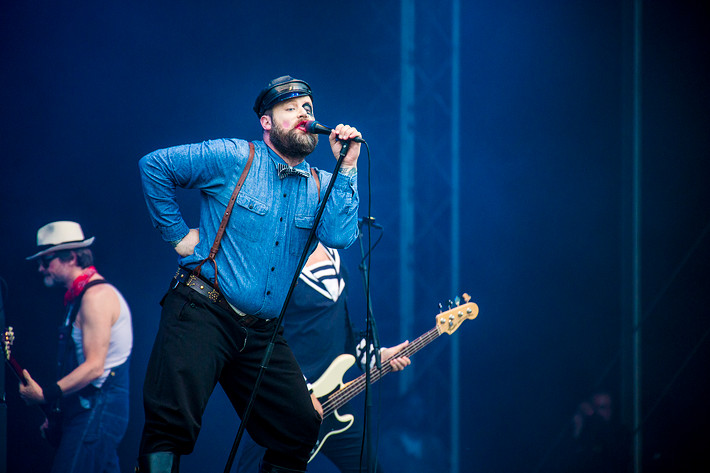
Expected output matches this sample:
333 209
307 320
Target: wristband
52 393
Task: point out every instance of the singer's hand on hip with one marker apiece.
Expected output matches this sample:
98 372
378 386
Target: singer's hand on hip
187 245
343 133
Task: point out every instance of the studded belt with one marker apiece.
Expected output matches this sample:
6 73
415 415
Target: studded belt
198 284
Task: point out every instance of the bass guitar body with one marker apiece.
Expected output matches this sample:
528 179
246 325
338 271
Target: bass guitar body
332 380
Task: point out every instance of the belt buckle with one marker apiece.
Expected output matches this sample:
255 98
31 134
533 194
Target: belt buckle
176 278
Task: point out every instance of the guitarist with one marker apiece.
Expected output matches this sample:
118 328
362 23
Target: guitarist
95 341
318 329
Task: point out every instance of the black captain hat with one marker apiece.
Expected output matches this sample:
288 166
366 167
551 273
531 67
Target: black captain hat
280 89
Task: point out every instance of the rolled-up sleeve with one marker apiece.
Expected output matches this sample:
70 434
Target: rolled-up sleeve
202 166
338 228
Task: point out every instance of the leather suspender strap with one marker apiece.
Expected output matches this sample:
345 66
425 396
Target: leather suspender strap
315 176
225 219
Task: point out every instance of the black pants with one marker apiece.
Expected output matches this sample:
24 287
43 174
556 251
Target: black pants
343 449
200 343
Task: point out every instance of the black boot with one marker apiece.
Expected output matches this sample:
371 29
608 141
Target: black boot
159 462
267 467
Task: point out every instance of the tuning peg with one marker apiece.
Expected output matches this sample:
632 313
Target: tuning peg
457 300
441 307
450 303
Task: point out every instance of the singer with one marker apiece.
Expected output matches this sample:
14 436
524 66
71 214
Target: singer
259 201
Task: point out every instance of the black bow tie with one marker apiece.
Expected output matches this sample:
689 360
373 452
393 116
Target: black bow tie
284 170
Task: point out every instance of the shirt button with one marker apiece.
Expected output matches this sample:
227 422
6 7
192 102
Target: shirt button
272 268
277 243
268 293
284 195
281 219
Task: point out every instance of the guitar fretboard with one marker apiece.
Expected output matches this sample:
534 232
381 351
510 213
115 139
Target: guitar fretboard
352 389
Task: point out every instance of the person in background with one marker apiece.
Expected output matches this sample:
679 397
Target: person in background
598 442
317 326
88 404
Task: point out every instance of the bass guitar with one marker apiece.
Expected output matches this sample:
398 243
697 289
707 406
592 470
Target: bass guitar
333 393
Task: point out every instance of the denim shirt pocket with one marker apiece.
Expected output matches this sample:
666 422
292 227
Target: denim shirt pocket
305 217
303 224
250 212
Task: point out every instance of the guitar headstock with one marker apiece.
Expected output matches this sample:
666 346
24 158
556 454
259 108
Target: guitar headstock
7 341
450 320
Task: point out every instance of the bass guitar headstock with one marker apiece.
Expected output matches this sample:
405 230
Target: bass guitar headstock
449 321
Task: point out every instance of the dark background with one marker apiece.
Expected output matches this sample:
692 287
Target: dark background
87 88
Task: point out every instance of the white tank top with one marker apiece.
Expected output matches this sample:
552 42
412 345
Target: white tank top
120 345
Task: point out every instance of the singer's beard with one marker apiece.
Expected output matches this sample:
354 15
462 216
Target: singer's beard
292 143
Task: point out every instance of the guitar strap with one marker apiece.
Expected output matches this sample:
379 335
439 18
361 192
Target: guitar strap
65 347
67 361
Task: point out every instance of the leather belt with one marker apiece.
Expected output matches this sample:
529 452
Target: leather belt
200 285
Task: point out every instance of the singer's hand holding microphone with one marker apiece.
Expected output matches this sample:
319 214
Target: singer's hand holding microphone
337 136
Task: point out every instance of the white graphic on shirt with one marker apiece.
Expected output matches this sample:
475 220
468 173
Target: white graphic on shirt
324 276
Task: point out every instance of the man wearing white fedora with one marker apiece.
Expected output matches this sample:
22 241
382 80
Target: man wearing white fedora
88 406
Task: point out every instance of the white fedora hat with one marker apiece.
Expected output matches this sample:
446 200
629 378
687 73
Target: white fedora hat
61 235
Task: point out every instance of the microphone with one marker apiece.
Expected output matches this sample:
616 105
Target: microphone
315 128
365 221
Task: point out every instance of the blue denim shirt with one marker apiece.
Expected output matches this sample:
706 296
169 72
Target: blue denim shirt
270 221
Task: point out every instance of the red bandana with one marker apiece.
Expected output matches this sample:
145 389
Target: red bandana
78 285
